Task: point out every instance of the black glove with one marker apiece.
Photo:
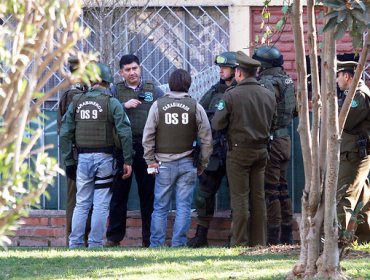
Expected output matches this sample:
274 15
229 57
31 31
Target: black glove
71 172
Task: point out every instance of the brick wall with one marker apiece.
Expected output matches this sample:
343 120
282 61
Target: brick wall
285 41
46 228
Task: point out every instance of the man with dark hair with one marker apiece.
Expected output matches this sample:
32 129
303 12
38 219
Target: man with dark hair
246 113
64 102
211 179
354 167
175 121
136 96
92 120
279 205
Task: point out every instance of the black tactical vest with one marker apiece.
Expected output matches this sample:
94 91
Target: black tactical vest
94 129
217 95
177 128
286 102
139 114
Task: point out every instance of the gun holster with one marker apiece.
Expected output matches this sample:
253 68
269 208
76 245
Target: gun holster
362 147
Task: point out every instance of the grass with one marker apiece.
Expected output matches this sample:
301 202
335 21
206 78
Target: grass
166 263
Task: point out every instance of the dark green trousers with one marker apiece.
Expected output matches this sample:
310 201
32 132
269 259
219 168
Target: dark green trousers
353 187
245 170
278 202
209 184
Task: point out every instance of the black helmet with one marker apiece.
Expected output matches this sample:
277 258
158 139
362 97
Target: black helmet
105 73
227 59
269 56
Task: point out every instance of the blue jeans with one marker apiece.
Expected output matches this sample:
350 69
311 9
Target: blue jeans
94 177
179 176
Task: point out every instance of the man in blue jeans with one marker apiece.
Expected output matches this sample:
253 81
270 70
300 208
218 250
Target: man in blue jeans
92 121
174 122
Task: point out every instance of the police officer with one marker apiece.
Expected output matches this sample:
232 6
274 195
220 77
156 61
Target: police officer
64 102
136 96
246 113
175 121
211 179
353 185
278 203
91 121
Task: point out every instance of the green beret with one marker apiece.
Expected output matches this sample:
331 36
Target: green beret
244 61
346 66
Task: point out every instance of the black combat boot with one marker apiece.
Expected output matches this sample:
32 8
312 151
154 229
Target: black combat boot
200 238
286 234
273 235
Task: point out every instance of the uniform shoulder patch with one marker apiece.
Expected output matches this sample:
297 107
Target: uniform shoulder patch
355 103
221 105
148 96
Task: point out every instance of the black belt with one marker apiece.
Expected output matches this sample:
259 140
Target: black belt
105 150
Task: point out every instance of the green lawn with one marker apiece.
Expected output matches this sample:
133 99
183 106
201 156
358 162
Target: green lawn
129 263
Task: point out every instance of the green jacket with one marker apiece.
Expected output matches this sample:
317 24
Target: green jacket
357 124
246 113
116 114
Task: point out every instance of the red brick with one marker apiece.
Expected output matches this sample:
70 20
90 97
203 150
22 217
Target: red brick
134 222
131 242
220 223
58 221
218 234
33 242
41 231
133 232
28 235
42 221
58 242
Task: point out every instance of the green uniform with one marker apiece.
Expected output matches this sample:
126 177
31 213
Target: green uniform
116 118
246 113
278 202
211 178
353 185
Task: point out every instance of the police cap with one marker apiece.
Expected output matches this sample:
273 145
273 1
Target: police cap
349 66
244 61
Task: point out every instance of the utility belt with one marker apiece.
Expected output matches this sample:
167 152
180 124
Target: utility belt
249 145
281 132
363 147
105 150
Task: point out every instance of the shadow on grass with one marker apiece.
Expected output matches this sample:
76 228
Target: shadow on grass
142 264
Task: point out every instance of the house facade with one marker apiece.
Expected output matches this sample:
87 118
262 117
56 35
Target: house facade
166 35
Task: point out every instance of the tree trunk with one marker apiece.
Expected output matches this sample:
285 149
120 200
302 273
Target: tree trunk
329 266
315 217
303 130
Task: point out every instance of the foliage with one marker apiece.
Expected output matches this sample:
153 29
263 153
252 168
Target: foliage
349 15
36 39
269 30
